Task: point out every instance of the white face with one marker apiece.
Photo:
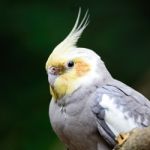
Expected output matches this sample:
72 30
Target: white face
70 59
75 67
97 67
88 55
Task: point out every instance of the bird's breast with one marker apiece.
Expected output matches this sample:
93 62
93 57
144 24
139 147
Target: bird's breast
73 125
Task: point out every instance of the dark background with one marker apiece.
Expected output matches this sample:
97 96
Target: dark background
29 30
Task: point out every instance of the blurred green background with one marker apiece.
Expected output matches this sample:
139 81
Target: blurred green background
29 30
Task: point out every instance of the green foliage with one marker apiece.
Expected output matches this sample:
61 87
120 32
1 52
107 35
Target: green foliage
29 30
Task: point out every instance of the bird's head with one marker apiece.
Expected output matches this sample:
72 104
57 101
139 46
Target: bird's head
69 67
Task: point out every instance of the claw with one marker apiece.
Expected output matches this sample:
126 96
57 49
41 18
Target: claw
121 138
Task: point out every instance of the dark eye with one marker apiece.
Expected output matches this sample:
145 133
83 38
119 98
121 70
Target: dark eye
70 64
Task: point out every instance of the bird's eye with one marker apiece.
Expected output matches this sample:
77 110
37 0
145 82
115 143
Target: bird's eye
70 64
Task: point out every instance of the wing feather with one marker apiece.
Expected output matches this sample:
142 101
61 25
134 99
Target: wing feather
119 109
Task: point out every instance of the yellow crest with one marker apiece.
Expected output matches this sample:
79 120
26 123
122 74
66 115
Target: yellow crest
74 35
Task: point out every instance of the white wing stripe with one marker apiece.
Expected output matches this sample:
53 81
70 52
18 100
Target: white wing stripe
115 118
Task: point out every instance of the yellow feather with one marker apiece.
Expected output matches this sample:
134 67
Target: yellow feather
67 82
53 93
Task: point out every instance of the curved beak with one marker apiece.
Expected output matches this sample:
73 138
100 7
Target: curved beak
53 73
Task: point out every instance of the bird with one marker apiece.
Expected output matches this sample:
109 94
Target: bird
89 109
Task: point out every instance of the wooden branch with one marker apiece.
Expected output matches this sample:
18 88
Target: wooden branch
139 139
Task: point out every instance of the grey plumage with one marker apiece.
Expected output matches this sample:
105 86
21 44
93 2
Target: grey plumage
83 120
131 104
76 126
97 108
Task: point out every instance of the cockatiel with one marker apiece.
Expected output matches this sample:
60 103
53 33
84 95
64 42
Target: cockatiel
89 108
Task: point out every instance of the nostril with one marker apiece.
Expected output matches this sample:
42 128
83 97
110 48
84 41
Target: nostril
53 70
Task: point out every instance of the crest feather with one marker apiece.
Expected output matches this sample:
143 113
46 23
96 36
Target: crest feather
74 35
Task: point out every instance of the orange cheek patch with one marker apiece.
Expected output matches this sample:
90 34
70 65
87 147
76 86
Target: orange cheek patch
82 68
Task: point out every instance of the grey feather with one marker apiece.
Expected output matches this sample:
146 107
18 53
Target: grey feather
103 128
132 102
135 102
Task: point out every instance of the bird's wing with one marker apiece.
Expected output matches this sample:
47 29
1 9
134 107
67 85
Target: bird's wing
118 111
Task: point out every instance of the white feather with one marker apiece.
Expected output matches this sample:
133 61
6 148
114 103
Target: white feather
115 118
74 35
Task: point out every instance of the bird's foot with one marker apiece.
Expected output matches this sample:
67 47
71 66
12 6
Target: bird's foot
121 138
